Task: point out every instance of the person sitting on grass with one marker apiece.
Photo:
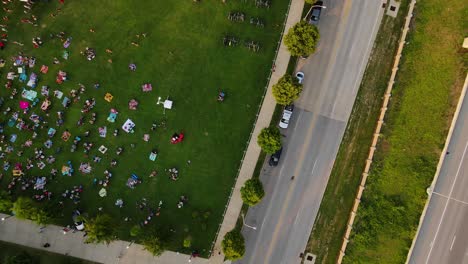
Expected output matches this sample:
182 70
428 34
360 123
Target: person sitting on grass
119 151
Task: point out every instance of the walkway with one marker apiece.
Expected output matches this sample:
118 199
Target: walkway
253 150
27 233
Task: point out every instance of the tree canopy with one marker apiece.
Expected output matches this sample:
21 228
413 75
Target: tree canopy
26 208
233 245
269 139
100 229
252 192
286 90
302 39
154 245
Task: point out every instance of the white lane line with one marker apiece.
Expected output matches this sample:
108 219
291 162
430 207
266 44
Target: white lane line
451 198
448 200
453 242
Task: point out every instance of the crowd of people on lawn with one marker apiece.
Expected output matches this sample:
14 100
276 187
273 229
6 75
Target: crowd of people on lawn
36 121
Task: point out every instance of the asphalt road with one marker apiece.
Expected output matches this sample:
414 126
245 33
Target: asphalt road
443 237
284 219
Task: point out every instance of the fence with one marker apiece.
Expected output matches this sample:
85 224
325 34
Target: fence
375 139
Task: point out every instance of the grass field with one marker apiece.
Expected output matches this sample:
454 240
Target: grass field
39 257
329 227
424 97
183 57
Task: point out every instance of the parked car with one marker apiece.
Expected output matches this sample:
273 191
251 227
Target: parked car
287 113
274 159
300 77
79 224
315 13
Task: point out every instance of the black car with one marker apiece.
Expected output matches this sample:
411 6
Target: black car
274 159
315 13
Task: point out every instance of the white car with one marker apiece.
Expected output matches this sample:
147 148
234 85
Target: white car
287 113
300 77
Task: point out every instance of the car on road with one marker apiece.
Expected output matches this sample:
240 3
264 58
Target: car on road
300 77
315 13
275 157
287 113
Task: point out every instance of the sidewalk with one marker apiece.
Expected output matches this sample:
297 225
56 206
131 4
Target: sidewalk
26 233
253 150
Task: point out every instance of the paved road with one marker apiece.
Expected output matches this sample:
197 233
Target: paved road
443 237
285 217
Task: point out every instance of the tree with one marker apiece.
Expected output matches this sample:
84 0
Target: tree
26 208
302 39
252 192
269 139
5 202
286 90
310 1
100 229
233 245
154 245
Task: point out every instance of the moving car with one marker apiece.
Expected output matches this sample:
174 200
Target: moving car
274 159
287 113
315 13
300 77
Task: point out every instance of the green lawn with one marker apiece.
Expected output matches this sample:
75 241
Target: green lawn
184 59
426 91
8 250
329 227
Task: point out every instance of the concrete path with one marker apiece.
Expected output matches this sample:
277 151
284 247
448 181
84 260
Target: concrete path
27 233
253 150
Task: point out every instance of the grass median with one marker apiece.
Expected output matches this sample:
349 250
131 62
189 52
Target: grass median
425 94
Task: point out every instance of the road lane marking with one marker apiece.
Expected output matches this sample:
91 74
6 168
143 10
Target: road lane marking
448 200
451 198
453 242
